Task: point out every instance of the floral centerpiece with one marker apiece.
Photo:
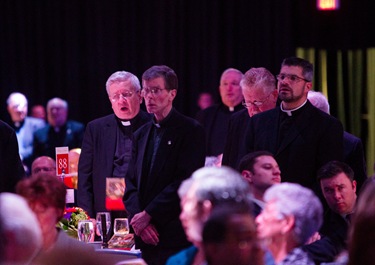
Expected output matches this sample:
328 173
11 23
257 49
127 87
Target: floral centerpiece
70 219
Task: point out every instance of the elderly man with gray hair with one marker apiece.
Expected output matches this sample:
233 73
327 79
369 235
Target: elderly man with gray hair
108 142
58 132
292 215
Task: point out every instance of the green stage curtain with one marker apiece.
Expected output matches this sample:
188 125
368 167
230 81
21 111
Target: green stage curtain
347 78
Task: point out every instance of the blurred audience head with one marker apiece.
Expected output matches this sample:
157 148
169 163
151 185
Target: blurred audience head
20 233
205 100
123 89
230 88
17 106
338 186
38 111
45 195
230 237
318 100
261 171
206 189
43 165
259 90
292 214
57 112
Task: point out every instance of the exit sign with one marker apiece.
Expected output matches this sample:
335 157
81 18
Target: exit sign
328 4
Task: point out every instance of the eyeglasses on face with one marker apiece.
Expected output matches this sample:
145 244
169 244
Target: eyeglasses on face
123 95
155 91
291 78
255 103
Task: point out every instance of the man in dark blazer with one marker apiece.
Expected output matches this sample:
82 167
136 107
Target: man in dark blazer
58 132
260 94
215 119
11 169
108 141
301 137
339 189
353 148
168 151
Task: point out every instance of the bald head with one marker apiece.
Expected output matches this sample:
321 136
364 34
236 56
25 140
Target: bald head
42 165
17 106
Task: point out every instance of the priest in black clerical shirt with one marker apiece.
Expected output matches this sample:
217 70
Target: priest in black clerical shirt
215 119
107 145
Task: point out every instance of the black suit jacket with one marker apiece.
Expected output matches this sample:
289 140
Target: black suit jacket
234 146
45 142
334 239
215 121
355 158
314 139
96 160
11 169
181 151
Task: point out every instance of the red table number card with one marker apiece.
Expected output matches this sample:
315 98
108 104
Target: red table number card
62 160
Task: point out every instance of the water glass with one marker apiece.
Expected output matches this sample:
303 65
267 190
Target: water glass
85 230
107 222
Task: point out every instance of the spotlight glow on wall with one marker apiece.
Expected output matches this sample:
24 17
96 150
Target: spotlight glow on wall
328 4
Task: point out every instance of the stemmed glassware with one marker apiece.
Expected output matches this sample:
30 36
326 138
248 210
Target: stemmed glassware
85 230
103 219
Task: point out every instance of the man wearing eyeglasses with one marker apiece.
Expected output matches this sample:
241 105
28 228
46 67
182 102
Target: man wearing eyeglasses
260 94
301 137
107 144
168 150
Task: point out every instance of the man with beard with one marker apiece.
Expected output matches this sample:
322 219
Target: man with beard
301 137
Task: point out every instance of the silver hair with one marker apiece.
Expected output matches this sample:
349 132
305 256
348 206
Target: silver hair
122 76
294 200
259 78
218 185
319 100
231 70
58 101
18 96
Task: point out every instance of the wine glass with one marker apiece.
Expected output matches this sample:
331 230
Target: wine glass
85 230
121 226
107 222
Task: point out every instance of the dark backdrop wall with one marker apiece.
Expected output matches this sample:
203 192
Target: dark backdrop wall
69 48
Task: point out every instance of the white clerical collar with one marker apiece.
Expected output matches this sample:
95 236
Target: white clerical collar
231 109
289 111
126 123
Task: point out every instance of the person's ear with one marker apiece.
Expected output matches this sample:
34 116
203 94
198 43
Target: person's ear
172 94
289 224
247 175
206 209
